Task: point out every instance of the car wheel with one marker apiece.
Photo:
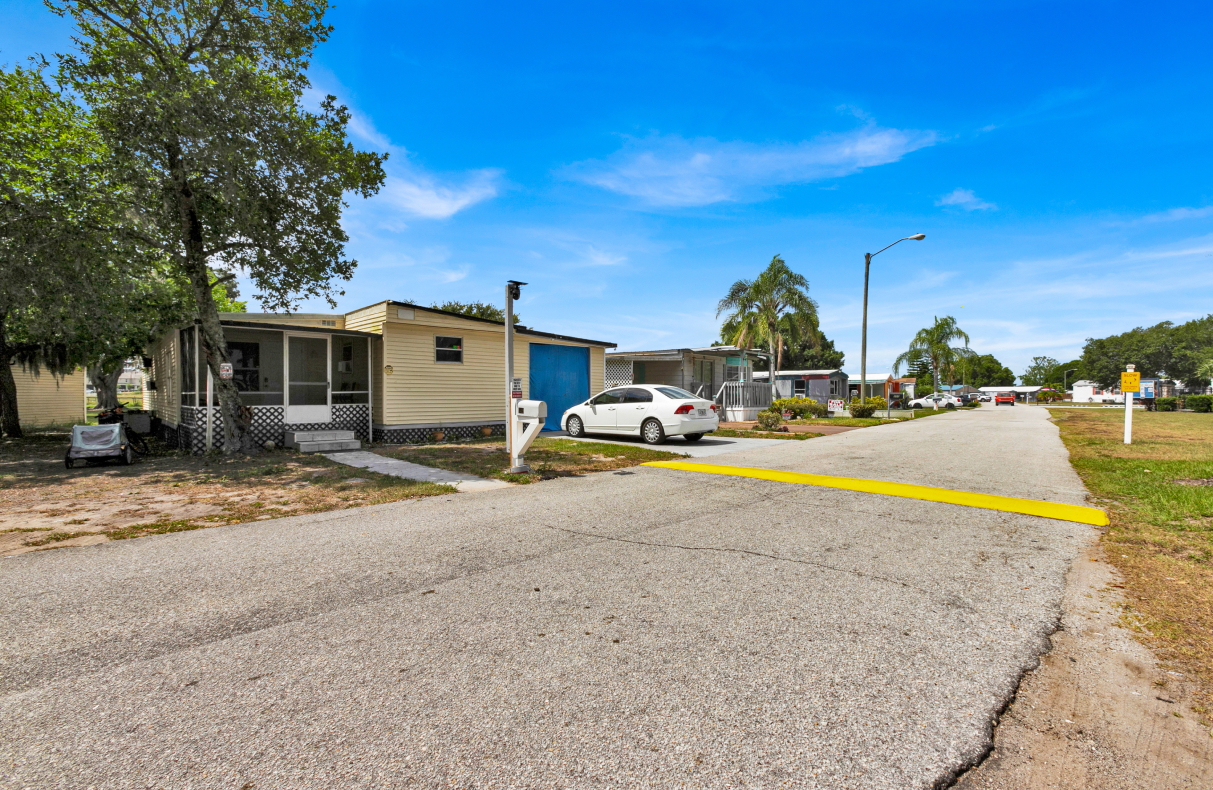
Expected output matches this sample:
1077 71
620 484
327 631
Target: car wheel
693 437
951 406
574 427
652 432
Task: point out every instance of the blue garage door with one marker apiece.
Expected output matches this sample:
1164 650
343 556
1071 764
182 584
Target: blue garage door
560 376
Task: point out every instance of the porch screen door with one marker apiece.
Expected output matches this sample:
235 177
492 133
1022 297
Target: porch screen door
307 375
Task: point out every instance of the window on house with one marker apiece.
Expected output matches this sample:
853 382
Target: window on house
350 374
798 387
705 369
448 349
833 387
256 358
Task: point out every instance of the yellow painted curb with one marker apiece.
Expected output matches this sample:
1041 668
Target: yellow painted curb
1031 507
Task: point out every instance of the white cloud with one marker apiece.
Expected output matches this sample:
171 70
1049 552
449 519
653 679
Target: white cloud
1178 214
965 199
421 195
673 171
409 188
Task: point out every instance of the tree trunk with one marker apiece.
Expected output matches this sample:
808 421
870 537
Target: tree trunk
10 422
774 369
106 384
235 418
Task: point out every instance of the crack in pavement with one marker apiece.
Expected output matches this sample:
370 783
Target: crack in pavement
952 601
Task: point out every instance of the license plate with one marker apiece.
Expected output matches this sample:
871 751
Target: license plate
703 412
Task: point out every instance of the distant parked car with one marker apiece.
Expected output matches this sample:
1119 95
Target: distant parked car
652 412
935 401
1002 398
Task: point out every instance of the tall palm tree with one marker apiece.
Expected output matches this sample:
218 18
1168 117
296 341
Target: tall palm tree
766 311
933 346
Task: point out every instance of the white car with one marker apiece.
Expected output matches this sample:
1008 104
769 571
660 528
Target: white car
653 412
936 401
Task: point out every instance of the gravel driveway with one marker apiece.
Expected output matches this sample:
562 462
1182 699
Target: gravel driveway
641 628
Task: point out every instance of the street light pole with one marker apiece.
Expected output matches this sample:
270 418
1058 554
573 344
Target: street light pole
1063 381
863 352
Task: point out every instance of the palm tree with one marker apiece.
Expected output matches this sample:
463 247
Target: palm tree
768 310
933 346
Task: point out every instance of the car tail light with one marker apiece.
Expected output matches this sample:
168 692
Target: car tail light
712 407
685 408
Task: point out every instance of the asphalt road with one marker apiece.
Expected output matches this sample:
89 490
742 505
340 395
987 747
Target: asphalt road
642 628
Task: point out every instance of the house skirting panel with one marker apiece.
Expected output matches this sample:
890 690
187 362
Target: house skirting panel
422 433
268 424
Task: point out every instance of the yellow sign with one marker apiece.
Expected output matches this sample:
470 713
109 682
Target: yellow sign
1130 382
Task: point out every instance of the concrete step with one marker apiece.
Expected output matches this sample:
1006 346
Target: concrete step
330 446
293 438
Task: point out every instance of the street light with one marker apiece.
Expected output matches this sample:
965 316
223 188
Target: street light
863 356
1063 380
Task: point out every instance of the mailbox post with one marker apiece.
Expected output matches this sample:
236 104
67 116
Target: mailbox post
525 425
513 390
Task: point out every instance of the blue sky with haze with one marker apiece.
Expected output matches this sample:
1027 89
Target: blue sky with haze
630 161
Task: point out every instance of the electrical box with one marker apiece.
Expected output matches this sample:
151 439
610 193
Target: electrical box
532 410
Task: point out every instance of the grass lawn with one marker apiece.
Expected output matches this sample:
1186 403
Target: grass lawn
1159 495
42 504
547 457
729 433
132 399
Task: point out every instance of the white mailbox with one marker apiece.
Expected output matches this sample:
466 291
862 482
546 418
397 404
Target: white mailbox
532 409
528 419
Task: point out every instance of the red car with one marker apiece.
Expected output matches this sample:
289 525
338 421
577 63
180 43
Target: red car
1004 397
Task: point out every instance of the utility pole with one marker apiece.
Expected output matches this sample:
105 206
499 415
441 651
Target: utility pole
513 289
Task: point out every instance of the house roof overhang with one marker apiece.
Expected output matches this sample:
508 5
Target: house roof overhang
320 330
675 354
517 329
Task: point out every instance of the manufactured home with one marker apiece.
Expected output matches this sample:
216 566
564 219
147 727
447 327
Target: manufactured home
392 372
46 399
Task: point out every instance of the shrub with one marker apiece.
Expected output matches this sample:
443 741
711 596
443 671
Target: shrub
1166 404
769 420
799 408
1201 403
876 402
1047 396
861 409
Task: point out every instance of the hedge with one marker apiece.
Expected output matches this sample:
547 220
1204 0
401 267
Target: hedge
799 407
1201 403
1166 404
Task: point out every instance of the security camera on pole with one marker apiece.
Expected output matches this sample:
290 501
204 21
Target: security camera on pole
523 418
1130 383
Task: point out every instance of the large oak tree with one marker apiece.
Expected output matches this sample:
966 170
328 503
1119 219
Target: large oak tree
201 103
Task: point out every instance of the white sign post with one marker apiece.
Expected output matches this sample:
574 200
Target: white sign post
1130 383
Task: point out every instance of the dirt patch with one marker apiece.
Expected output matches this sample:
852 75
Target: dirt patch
1099 711
43 505
548 458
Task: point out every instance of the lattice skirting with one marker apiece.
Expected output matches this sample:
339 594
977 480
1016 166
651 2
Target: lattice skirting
618 372
425 435
268 425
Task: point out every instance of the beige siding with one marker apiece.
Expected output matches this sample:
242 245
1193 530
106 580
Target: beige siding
367 319
165 400
336 321
45 399
420 390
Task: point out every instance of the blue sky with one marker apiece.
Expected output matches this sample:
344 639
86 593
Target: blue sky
630 162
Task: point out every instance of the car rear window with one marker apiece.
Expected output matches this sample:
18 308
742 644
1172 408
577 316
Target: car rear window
674 393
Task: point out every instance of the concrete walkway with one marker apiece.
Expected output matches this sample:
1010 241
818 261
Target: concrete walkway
427 474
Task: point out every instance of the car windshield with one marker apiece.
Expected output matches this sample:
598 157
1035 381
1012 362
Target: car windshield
674 393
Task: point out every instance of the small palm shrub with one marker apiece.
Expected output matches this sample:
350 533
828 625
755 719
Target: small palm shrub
769 420
878 403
